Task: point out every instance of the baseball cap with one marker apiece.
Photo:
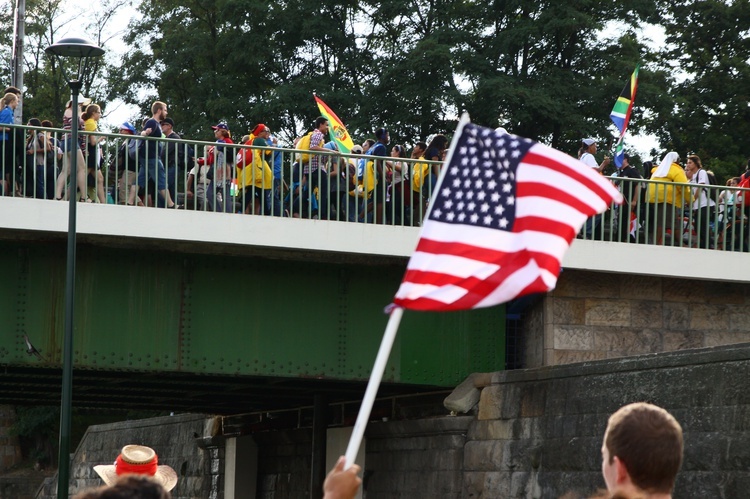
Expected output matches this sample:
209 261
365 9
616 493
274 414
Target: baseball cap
127 126
167 121
221 126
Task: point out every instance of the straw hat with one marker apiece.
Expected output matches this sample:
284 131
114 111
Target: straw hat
83 101
138 460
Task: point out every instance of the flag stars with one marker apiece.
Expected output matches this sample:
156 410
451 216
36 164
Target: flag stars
480 185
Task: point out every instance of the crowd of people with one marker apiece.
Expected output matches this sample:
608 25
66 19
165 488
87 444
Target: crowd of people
641 455
678 208
375 182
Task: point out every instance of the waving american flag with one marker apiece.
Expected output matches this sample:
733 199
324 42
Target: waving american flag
504 212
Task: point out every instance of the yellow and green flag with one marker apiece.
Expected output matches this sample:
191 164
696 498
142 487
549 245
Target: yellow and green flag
337 129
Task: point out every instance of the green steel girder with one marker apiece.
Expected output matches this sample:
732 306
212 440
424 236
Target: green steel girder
176 312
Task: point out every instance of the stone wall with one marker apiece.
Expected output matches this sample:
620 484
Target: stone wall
10 450
284 463
409 459
538 432
592 316
184 442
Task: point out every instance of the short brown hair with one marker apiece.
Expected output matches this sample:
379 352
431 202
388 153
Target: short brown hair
129 487
157 105
648 441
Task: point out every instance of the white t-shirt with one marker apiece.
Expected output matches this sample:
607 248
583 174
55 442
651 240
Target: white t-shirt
588 159
701 177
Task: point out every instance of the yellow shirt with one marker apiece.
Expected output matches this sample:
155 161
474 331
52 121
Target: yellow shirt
661 193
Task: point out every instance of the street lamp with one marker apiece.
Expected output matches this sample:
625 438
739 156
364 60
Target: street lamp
83 50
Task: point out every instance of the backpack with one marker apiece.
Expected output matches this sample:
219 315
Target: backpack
711 178
304 145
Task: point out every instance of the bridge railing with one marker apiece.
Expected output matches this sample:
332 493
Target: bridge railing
227 178
672 214
274 181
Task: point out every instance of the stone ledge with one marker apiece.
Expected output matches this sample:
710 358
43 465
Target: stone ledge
708 355
406 429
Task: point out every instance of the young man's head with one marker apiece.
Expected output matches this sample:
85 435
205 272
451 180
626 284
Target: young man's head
642 450
159 110
321 123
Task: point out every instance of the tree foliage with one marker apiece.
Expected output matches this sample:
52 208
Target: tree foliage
544 69
45 78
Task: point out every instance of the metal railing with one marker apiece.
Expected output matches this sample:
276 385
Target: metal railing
675 214
241 179
227 178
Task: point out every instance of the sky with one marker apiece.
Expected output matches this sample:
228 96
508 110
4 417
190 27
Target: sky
117 112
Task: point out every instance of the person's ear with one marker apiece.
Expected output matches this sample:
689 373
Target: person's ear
622 472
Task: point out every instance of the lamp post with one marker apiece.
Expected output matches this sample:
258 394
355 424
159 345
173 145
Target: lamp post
82 50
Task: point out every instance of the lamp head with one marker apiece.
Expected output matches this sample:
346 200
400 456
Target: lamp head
76 48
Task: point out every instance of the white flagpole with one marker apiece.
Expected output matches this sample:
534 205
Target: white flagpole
372 385
390 335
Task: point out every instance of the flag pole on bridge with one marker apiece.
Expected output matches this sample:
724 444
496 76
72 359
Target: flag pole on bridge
502 215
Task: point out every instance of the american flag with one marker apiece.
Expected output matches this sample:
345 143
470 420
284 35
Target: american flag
504 212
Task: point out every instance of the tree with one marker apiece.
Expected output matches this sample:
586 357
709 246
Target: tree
46 91
710 50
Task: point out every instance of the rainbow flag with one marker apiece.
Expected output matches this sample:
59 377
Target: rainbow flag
620 114
337 129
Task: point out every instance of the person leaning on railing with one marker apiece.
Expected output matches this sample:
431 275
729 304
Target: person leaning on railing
665 199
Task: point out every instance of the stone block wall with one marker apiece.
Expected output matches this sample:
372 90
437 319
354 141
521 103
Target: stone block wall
284 463
593 316
10 450
184 442
409 459
538 432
